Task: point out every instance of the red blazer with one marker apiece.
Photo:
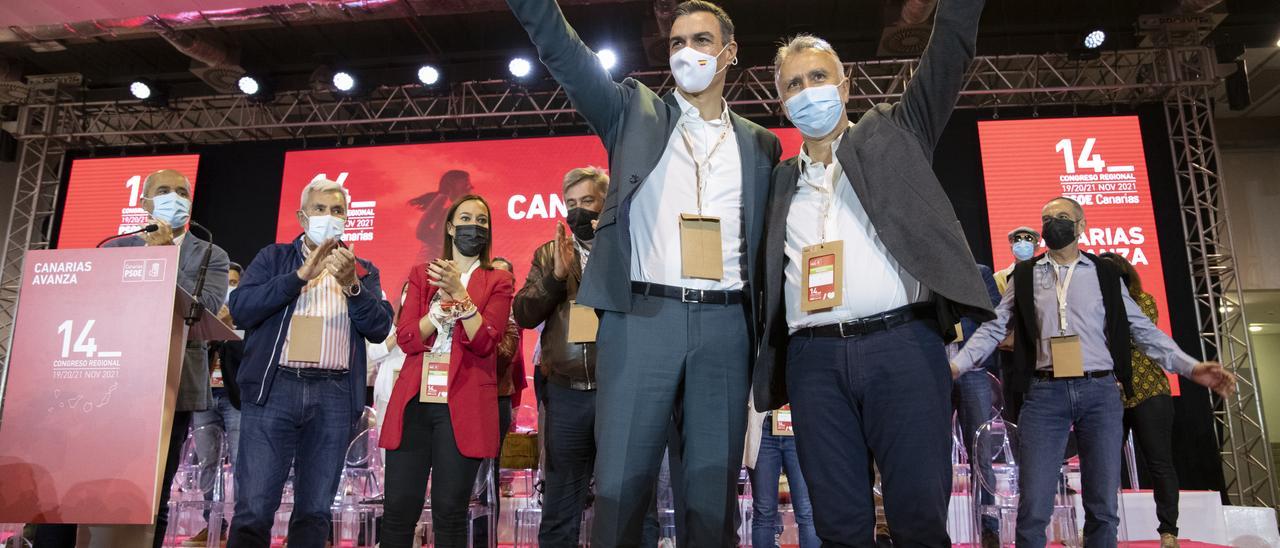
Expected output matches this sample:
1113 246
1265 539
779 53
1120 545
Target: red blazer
473 386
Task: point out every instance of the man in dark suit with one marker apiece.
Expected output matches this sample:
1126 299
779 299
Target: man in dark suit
675 328
866 274
166 195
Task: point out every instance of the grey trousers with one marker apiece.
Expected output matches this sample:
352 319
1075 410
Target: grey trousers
661 356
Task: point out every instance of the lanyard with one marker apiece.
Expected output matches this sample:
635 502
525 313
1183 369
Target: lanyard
1060 286
829 196
698 167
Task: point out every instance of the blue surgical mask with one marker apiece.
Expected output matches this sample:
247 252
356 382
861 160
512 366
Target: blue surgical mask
816 110
324 227
171 208
1023 250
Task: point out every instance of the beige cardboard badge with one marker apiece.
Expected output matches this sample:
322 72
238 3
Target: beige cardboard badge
583 323
959 333
782 425
700 253
822 276
435 378
1068 360
305 333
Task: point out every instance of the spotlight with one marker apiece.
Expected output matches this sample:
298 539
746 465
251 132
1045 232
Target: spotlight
608 59
428 75
520 67
141 89
343 81
249 85
1094 39
1255 328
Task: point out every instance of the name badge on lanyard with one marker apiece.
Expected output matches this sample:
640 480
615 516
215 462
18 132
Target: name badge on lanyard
305 336
583 323
435 378
782 425
701 251
1064 349
822 274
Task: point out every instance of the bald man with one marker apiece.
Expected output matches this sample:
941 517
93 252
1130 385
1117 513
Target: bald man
166 196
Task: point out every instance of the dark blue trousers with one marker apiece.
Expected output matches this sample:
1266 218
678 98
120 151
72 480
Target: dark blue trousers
882 399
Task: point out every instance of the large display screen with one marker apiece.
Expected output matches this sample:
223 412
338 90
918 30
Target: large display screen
104 195
1097 161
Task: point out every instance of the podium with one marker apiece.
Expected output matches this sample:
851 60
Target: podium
93 374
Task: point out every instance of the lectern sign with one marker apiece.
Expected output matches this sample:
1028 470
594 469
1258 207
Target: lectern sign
83 414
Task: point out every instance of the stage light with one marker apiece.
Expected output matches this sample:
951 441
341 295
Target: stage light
1094 39
520 67
141 89
343 81
1255 328
249 85
428 75
608 59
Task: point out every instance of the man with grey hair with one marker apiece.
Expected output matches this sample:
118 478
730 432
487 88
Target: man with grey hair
307 308
867 274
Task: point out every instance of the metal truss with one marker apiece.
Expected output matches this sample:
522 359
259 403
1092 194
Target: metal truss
53 122
1118 77
1246 452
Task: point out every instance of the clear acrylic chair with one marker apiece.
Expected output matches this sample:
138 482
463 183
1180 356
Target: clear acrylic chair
11 536
199 472
357 503
483 497
996 443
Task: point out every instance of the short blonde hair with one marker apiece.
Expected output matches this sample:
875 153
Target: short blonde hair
797 44
598 177
321 184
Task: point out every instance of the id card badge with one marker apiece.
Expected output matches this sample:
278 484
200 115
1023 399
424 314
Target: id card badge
1068 360
700 254
215 374
583 323
782 425
435 378
959 333
822 273
305 333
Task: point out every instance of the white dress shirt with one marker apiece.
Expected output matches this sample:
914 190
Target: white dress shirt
672 190
872 281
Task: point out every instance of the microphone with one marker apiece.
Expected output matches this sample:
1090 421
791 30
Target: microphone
197 307
148 228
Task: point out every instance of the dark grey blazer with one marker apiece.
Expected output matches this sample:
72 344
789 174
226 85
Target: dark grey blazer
193 389
635 125
887 156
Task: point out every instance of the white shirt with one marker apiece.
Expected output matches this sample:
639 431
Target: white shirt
444 333
872 281
672 190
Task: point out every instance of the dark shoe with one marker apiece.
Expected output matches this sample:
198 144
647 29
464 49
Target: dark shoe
883 541
990 539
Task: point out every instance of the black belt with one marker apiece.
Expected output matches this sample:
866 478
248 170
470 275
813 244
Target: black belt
1047 374
686 295
564 381
871 324
315 372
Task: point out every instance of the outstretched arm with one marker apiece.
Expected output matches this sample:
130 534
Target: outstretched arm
593 92
931 96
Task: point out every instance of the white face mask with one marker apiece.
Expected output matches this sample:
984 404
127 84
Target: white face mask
171 208
324 227
694 70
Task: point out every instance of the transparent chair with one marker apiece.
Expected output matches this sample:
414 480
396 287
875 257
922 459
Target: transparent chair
11 536
483 497
202 469
358 501
996 443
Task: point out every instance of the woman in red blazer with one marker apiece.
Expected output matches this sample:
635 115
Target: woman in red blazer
457 305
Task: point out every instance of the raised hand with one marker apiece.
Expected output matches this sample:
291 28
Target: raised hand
314 266
562 254
341 263
162 236
445 275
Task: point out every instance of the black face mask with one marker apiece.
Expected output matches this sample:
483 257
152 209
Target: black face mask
470 239
579 220
1059 233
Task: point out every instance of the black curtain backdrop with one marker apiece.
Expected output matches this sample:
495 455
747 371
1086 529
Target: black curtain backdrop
238 197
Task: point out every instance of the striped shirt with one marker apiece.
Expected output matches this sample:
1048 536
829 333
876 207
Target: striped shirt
323 297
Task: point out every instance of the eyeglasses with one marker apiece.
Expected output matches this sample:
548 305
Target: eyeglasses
1024 237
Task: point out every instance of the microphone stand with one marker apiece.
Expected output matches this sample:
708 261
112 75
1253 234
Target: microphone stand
197 307
148 228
